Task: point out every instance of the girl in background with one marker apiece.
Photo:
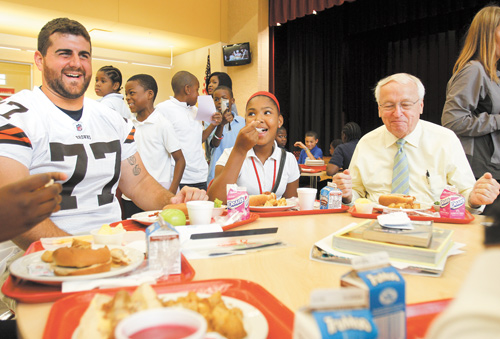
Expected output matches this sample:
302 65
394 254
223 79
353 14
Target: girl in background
255 159
108 83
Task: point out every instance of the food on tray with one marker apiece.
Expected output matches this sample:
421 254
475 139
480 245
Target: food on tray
266 200
220 318
106 229
217 203
81 259
105 312
174 217
181 207
398 201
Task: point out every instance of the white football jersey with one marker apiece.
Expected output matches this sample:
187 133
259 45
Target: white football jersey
90 151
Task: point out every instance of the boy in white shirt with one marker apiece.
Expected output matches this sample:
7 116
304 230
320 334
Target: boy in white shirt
156 140
180 110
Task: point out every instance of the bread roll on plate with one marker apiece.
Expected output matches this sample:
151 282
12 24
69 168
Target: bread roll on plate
260 199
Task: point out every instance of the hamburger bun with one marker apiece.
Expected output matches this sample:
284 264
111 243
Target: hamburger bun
80 257
92 269
387 199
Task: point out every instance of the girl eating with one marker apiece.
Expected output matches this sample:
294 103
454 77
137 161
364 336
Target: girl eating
256 162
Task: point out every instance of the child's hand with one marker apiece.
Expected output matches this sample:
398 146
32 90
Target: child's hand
300 144
227 117
247 137
216 119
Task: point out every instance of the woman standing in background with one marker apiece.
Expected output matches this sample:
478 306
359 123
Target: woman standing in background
472 104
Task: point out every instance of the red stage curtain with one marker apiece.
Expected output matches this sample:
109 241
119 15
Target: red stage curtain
281 11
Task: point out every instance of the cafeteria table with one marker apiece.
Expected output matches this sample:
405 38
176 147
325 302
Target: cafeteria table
290 275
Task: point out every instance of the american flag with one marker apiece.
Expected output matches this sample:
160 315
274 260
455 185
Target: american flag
207 74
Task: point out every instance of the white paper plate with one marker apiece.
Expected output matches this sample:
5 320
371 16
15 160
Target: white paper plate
254 321
19 268
145 218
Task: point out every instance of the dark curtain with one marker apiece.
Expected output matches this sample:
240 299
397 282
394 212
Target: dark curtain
281 11
326 65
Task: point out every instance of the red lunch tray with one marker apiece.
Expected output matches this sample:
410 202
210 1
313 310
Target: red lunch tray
65 314
31 292
132 225
291 213
312 169
420 316
468 217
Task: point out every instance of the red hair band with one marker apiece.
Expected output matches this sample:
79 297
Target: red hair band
266 94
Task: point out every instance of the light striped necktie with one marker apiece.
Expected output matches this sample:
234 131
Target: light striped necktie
401 173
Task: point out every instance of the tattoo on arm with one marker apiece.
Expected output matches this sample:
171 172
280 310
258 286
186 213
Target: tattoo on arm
136 169
132 160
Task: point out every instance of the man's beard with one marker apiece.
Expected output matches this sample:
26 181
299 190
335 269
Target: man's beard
55 82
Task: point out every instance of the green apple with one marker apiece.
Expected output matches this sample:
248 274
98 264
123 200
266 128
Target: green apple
174 217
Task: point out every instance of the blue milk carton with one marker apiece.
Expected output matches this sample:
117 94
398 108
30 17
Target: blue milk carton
386 290
335 314
330 197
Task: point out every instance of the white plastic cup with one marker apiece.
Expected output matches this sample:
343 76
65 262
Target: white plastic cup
200 212
158 317
307 197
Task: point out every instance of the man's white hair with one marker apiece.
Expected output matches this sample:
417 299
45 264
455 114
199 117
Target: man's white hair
401 78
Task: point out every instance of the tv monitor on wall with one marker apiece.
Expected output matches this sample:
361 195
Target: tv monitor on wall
237 54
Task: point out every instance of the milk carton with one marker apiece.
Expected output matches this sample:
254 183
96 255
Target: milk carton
335 313
163 248
238 201
330 197
386 290
452 204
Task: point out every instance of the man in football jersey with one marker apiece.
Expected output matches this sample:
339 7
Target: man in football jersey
55 129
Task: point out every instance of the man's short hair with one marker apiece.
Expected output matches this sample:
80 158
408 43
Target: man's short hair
63 26
312 134
400 78
147 82
182 79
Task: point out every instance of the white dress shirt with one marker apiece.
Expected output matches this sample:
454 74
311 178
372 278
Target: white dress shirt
156 141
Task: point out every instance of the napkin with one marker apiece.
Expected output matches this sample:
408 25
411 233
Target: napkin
398 220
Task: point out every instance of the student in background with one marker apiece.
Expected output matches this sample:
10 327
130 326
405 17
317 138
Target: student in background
225 134
281 137
156 140
108 83
181 111
217 79
341 158
309 150
256 162
334 144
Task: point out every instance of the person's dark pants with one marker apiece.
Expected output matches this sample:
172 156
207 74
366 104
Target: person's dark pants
129 209
200 185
